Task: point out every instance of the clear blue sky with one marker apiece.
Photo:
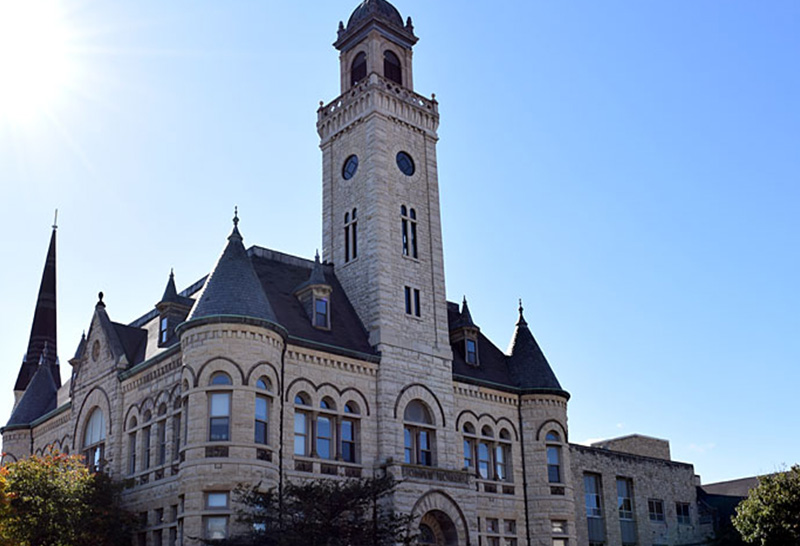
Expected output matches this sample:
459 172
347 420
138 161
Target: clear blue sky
630 169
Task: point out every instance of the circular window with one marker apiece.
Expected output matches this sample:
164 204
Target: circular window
405 163
96 350
350 167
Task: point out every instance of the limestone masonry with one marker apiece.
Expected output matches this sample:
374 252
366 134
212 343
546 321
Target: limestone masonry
277 368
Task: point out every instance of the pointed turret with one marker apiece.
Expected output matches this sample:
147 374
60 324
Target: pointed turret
43 330
233 288
527 364
314 295
466 316
40 397
173 309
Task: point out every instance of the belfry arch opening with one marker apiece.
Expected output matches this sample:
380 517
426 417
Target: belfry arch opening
358 70
392 70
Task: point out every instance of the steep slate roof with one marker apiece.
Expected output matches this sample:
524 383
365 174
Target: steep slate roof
492 367
171 293
527 364
280 276
40 397
133 342
43 329
524 369
233 288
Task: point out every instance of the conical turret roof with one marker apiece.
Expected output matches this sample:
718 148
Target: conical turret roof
40 397
43 329
527 364
233 288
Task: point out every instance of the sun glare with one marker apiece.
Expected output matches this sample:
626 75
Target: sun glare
34 57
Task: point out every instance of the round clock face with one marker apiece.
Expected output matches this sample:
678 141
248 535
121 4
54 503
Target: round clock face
405 163
350 167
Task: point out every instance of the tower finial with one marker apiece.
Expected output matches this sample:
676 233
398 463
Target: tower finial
316 256
236 215
521 320
55 220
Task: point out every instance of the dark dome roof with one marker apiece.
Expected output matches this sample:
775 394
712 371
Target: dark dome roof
380 8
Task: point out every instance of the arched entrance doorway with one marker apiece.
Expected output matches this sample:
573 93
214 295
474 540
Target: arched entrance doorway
441 522
437 529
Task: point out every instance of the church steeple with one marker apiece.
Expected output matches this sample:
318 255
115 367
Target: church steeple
43 329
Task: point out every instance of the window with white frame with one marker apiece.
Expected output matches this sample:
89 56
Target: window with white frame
470 443
326 432
219 409
625 498
94 440
554 469
655 509
682 511
418 434
262 403
216 525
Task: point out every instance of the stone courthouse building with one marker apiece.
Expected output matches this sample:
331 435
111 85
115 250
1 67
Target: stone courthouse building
280 368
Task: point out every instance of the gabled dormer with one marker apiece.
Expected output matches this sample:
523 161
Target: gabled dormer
464 334
172 310
108 345
314 295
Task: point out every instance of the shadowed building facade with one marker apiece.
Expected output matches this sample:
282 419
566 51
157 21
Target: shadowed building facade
275 367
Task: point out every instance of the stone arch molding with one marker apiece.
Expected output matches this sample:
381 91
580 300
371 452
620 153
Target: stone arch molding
418 390
437 500
552 424
97 397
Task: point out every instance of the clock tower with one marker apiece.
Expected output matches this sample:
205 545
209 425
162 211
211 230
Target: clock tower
381 218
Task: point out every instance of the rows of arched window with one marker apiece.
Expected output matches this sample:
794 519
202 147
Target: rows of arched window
485 455
392 68
219 408
148 445
326 431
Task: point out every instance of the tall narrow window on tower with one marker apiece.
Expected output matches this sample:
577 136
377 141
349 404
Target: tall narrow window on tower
408 228
350 235
358 70
391 67
412 301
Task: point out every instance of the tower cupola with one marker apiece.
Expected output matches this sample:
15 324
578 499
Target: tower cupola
376 41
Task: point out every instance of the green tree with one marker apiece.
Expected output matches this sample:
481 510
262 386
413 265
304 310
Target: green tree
53 500
321 513
770 515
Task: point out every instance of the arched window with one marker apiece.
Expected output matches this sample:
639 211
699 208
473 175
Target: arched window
488 457
554 457
132 445
348 433
264 385
391 67
358 70
408 229
146 440
302 436
418 434
350 235
469 446
161 434
220 378
326 423
94 440
219 409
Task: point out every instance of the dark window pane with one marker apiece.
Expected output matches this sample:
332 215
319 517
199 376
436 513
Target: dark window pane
358 70
391 67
